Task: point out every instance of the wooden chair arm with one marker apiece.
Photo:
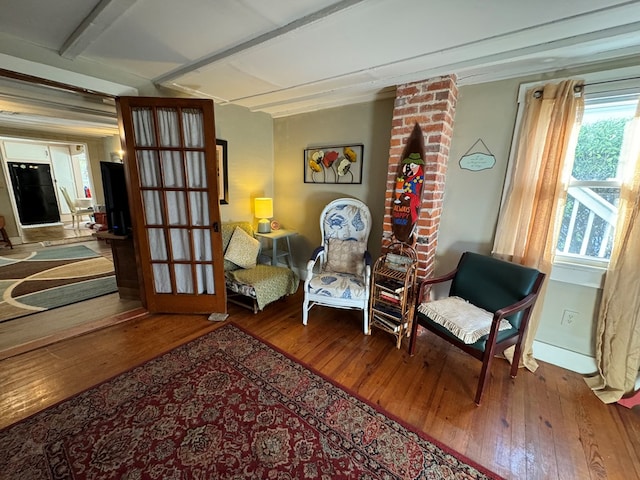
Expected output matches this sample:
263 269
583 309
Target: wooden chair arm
516 307
430 281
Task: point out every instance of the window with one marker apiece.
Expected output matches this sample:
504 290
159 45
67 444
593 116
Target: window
589 219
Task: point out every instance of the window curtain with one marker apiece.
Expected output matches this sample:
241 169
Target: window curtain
529 221
618 328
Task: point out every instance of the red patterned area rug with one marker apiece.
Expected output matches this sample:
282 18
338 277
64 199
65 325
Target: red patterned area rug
225 405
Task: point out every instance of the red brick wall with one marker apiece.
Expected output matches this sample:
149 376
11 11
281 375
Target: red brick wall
430 103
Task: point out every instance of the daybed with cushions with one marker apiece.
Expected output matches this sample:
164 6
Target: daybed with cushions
249 283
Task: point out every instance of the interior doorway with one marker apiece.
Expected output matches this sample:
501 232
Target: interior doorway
35 173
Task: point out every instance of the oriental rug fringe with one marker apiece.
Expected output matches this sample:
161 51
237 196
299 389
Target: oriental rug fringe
225 405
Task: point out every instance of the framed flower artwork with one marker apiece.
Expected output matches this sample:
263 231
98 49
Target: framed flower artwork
334 164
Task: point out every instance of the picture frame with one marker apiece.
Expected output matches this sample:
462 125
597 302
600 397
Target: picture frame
223 175
334 164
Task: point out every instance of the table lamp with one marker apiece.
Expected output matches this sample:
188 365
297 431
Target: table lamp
264 211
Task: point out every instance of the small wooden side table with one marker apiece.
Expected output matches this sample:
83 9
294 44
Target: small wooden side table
277 254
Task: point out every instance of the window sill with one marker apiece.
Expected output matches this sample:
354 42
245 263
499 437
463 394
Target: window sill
578 274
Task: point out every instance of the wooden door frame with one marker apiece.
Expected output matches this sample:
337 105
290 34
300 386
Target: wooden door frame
178 302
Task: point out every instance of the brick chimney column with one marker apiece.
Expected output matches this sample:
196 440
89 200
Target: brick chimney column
431 104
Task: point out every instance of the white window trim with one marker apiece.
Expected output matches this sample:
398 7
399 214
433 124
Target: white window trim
577 273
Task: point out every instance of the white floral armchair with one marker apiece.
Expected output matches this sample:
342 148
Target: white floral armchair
339 271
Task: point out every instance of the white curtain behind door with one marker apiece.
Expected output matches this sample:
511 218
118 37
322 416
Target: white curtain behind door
168 199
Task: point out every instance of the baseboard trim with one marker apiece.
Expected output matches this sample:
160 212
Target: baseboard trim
574 361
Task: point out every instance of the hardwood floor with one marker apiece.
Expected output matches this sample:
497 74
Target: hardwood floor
546 425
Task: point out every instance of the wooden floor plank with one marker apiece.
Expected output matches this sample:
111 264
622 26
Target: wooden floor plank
543 425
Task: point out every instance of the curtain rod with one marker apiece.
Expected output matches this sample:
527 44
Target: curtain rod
612 81
578 88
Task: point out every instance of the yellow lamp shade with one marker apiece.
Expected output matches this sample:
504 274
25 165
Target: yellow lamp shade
263 211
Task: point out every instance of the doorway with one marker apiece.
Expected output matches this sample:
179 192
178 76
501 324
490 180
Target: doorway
35 172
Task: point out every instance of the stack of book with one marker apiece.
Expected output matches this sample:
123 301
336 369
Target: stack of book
395 287
397 262
388 323
390 297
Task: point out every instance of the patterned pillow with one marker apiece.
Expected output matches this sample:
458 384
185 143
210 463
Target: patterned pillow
345 256
243 249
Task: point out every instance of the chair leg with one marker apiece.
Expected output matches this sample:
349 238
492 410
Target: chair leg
484 376
367 329
305 311
515 363
5 237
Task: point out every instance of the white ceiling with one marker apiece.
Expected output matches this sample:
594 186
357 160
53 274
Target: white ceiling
285 57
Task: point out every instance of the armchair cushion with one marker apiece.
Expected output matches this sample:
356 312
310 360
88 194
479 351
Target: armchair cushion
345 256
461 318
266 283
243 249
492 284
338 285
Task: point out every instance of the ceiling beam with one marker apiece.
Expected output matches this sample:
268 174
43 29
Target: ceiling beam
260 39
101 17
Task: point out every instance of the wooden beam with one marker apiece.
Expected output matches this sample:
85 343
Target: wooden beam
101 17
260 39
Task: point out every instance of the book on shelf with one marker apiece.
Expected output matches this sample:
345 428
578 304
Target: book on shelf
390 297
397 262
389 310
396 287
390 294
388 323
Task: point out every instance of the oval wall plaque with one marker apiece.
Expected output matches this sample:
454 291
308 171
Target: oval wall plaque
477 161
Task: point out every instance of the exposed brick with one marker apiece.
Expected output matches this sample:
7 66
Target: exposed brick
408 110
435 139
422 98
407 90
433 127
400 101
439 85
411 120
443 95
431 104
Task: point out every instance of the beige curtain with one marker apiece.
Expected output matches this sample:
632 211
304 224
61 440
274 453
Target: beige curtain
618 330
529 221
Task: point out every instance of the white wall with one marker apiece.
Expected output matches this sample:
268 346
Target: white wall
297 205
250 159
472 198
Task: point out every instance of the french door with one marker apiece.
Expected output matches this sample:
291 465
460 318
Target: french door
171 168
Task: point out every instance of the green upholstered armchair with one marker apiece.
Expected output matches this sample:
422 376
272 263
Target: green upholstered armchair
487 311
